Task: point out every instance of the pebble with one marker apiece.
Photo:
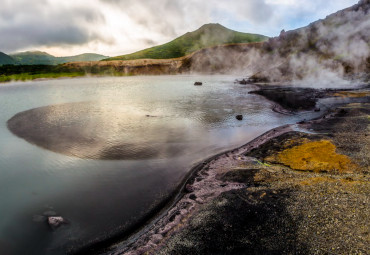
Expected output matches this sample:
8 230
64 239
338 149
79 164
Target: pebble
56 221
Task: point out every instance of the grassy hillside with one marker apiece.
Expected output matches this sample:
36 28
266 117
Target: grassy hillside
81 57
31 72
206 36
43 58
5 59
33 58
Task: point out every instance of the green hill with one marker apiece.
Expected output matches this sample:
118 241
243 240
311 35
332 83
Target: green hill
43 58
206 36
33 58
5 59
81 57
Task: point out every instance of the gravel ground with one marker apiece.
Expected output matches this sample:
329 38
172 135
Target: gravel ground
283 211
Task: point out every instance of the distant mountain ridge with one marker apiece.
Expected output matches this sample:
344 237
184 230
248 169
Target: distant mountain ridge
43 58
6 59
208 35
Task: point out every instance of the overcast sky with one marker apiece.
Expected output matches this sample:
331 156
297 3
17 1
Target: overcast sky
116 27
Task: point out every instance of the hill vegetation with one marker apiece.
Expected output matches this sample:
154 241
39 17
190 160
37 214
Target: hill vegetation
43 58
208 35
32 72
6 60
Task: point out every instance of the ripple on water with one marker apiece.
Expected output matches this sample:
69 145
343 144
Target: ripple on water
99 131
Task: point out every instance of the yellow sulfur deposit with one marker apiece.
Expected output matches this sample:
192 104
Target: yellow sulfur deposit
315 156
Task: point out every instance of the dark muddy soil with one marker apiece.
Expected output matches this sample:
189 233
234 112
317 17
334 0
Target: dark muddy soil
299 99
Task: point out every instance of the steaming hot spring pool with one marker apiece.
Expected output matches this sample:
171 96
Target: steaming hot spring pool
103 152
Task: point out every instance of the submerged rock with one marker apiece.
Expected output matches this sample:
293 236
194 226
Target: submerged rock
189 188
292 98
193 197
243 82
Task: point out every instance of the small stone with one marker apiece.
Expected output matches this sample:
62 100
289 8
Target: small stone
198 83
56 221
157 238
193 197
239 117
189 188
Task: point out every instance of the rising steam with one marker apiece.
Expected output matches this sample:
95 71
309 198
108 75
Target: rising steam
327 53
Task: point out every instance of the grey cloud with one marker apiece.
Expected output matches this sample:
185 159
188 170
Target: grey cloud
25 24
25 36
35 23
254 11
149 42
171 18
259 11
161 16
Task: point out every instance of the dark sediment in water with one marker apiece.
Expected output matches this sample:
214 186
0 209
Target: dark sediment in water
88 130
294 99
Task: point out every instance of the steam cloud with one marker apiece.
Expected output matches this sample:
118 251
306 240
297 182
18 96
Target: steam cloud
327 53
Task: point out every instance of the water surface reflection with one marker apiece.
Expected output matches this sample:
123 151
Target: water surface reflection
149 130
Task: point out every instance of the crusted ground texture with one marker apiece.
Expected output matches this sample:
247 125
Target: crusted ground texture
305 194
